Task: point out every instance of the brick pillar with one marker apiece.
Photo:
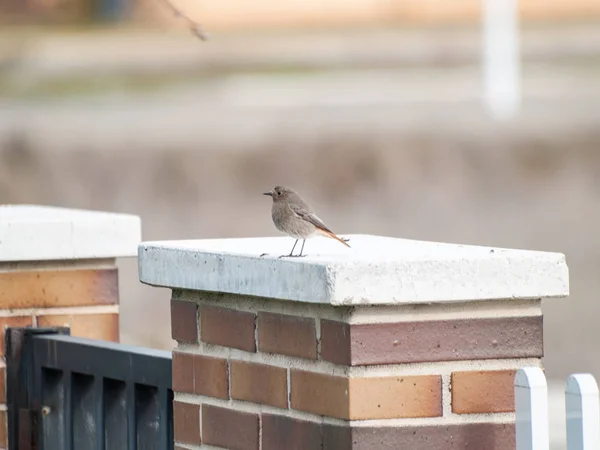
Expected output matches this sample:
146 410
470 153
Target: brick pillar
57 268
392 344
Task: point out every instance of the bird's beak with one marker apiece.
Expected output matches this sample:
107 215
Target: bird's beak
270 193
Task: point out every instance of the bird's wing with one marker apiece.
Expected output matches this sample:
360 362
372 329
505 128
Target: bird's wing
305 214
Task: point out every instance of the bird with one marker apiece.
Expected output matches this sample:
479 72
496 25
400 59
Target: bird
292 216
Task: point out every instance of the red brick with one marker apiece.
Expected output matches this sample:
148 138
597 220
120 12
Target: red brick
182 367
483 392
335 437
431 341
186 423
227 327
287 335
184 321
335 342
468 436
280 432
12 322
321 394
366 398
259 383
230 429
58 288
199 374
104 327
210 376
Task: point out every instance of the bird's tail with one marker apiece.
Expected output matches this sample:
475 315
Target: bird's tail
329 234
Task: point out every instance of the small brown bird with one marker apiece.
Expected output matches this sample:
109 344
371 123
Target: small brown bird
292 216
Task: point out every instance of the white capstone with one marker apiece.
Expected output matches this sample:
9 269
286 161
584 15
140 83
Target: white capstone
43 233
375 271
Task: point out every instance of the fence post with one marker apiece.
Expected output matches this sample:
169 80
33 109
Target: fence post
531 408
58 268
582 413
301 352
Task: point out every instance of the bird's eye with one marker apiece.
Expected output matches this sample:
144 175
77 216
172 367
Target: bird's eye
278 192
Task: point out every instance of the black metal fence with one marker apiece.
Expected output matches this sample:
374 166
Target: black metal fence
67 393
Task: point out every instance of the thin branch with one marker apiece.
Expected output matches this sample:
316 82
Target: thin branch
194 27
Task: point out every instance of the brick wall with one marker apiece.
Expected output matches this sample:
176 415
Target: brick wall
252 373
82 295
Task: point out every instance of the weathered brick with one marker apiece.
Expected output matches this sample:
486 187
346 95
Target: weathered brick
395 397
468 436
210 376
93 326
259 383
431 341
280 432
182 367
335 342
227 327
287 335
12 322
184 321
58 288
483 391
230 429
321 394
186 423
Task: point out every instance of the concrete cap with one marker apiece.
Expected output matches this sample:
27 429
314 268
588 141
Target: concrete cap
44 233
375 271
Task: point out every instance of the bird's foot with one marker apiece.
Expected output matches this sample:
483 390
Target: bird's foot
264 254
291 256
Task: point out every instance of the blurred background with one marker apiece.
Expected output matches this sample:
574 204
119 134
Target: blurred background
376 111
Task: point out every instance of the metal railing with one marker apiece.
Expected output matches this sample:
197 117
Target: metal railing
71 393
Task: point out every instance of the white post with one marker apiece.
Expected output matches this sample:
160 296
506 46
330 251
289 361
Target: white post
583 413
502 91
531 408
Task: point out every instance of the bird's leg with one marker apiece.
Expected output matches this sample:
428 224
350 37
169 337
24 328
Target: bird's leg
302 249
291 253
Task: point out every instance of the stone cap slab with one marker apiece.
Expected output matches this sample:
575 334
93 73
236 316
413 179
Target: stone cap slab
375 271
44 233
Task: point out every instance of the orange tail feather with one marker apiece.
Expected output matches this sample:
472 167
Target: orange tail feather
333 236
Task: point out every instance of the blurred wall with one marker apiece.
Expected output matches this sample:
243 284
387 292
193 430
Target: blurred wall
261 14
232 14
